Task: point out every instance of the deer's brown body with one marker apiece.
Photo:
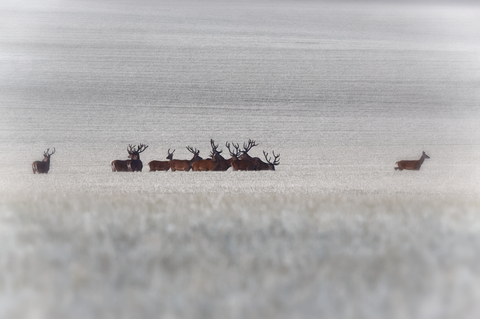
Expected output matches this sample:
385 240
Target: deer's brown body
242 165
161 165
120 166
185 165
238 164
204 165
42 167
222 163
411 165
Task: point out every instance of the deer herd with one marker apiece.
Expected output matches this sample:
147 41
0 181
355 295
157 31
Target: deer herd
239 160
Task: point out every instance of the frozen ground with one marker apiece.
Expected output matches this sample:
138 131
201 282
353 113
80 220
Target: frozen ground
341 91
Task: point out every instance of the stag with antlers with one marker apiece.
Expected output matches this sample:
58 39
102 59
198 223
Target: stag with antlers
209 164
236 163
222 163
42 167
135 164
262 166
185 165
244 154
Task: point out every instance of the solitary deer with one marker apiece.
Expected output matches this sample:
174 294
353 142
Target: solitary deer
185 165
411 165
238 164
135 165
42 167
161 165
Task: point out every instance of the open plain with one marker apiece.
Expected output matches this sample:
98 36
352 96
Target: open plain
341 90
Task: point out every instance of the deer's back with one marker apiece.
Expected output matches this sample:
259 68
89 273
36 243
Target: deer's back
159 166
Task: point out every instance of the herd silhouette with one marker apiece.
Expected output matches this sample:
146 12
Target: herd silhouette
239 160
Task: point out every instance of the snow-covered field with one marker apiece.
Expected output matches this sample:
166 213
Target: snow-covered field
341 90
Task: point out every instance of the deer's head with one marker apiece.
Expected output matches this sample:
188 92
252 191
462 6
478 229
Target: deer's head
170 155
46 155
134 152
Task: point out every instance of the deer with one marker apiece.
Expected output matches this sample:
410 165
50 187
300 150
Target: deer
259 164
135 164
411 165
236 163
185 165
268 166
222 163
161 165
123 166
209 164
42 167
204 165
245 156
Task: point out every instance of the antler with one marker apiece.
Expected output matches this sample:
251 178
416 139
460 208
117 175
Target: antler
131 149
141 148
214 148
236 146
47 154
134 149
193 151
276 161
248 147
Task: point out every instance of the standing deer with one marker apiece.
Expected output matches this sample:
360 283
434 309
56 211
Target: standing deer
161 165
42 167
216 163
209 164
411 165
185 165
222 163
238 164
123 166
135 165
